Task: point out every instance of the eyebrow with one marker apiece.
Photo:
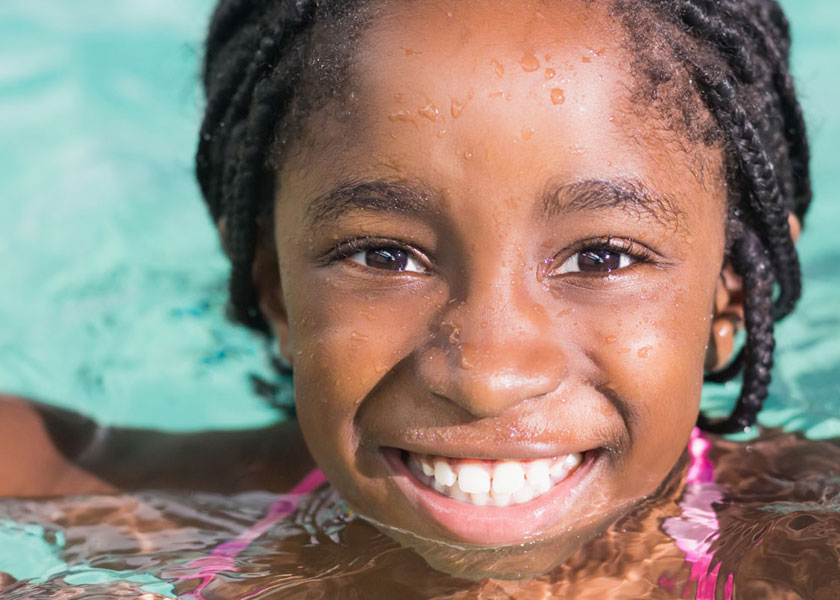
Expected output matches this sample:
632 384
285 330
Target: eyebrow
402 197
628 195
414 199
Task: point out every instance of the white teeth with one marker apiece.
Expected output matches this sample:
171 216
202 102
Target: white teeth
508 476
444 474
538 476
500 500
480 499
558 471
458 493
474 479
561 468
488 482
524 494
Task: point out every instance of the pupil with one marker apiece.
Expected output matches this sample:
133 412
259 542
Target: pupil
387 258
599 261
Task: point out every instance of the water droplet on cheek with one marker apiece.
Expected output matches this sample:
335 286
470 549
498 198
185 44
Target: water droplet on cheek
644 351
429 112
402 115
550 73
527 133
529 63
610 339
498 67
457 108
359 337
557 96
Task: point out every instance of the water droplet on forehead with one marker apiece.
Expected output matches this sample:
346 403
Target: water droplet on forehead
557 96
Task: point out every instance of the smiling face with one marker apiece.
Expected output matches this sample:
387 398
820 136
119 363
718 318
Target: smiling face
497 278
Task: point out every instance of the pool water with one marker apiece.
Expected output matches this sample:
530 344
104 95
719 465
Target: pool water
112 305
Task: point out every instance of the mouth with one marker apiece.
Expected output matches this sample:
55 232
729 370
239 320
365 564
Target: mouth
493 502
496 483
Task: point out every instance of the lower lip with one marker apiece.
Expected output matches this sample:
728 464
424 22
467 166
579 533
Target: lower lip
489 525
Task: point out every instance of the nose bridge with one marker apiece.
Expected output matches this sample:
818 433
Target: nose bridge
492 346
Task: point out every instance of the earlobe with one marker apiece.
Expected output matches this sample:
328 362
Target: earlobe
727 320
795 227
721 343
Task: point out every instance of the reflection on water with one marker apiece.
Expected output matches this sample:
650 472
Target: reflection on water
752 520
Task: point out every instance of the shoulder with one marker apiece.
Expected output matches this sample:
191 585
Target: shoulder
32 462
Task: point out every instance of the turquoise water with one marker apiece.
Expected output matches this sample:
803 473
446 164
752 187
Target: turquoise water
113 278
113 281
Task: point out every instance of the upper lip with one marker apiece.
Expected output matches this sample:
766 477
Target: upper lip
507 449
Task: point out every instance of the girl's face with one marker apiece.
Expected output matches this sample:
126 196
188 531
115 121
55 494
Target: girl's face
492 253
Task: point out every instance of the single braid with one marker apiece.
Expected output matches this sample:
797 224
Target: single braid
758 173
239 128
269 97
769 207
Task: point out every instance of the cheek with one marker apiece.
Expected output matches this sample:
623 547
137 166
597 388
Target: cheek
651 353
345 343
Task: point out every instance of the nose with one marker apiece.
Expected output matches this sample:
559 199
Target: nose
492 350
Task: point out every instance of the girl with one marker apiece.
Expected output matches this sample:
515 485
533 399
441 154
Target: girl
499 244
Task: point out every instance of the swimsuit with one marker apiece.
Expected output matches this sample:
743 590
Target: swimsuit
222 557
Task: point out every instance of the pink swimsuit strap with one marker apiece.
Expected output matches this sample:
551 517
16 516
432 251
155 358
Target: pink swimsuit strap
221 557
695 531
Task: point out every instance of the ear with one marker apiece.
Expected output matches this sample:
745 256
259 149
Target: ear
727 319
795 227
266 277
728 314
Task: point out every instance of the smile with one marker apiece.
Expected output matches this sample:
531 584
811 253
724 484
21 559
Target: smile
498 501
497 483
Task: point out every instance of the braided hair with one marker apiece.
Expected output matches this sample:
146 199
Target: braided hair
265 65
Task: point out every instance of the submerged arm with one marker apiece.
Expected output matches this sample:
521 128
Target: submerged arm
45 450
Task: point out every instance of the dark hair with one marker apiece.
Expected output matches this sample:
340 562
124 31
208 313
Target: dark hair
730 57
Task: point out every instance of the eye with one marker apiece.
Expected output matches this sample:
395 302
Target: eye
603 258
595 261
387 258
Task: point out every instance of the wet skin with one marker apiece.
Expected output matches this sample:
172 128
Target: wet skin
439 289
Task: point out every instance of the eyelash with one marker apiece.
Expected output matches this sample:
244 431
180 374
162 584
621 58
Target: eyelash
638 253
348 248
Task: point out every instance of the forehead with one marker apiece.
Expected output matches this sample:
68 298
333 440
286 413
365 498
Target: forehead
519 95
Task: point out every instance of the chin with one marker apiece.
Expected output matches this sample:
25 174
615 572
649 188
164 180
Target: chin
520 561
